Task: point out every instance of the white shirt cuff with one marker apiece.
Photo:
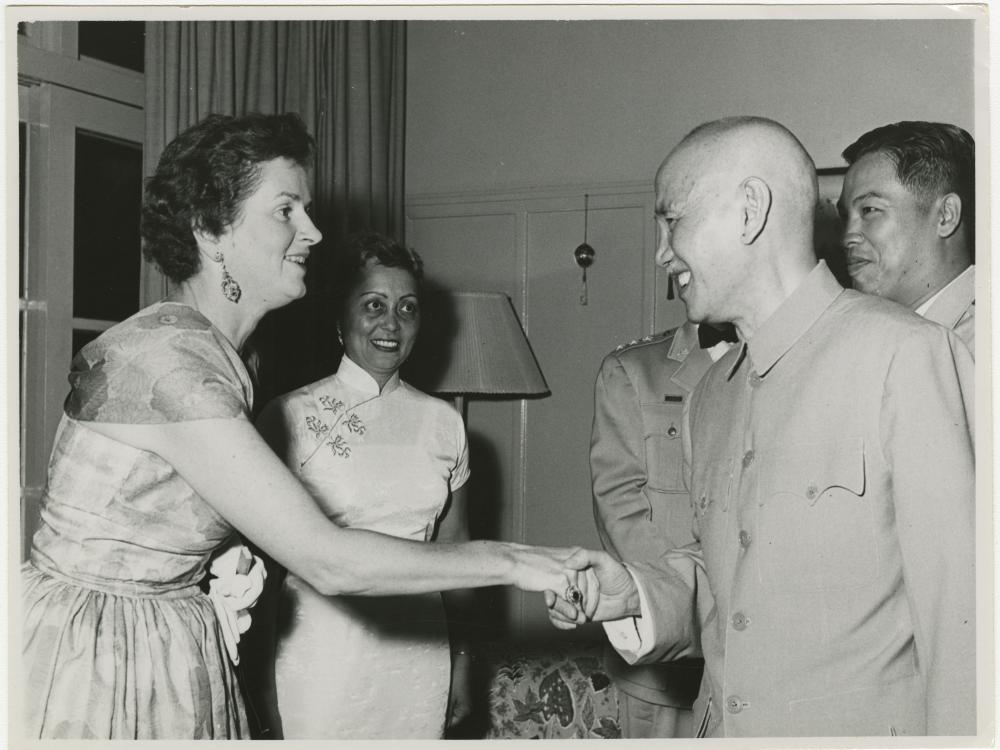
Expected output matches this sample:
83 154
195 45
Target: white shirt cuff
632 637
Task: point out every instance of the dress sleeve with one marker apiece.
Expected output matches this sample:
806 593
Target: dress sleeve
164 366
460 472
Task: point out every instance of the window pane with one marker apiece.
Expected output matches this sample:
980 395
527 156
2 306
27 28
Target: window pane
106 243
117 42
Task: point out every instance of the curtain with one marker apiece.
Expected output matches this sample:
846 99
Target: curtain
347 81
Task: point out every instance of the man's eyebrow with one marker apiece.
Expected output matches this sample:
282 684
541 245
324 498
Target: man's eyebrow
865 196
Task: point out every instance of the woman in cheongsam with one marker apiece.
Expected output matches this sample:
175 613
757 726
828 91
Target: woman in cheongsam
376 454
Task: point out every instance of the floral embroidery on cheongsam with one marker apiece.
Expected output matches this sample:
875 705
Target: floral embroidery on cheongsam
317 427
355 425
329 435
339 446
334 405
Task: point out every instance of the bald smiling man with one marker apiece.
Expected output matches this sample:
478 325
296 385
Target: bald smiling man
830 587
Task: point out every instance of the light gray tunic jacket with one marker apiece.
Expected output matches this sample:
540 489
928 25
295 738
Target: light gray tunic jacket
832 479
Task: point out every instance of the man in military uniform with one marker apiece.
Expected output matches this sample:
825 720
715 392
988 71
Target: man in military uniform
641 506
830 461
908 205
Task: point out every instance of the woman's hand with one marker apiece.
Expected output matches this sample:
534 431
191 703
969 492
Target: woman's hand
460 697
542 568
547 569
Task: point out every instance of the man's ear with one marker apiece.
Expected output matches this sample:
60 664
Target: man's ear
949 215
755 208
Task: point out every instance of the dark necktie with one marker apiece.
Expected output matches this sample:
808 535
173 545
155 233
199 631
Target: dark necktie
710 334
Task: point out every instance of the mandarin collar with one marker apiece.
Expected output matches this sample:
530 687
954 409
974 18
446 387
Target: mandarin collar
355 376
950 303
791 320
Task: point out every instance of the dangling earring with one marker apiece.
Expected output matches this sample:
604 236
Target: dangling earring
340 336
230 287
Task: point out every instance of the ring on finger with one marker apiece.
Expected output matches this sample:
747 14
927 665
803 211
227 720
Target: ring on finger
573 594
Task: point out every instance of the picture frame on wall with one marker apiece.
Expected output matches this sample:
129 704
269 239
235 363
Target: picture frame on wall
829 228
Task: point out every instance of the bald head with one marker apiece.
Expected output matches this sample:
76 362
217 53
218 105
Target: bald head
732 149
735 205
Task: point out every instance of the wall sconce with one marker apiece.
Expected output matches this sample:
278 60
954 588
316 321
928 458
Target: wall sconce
584 254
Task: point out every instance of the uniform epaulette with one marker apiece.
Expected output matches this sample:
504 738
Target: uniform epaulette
654 338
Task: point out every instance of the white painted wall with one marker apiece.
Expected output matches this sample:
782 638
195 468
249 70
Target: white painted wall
495 104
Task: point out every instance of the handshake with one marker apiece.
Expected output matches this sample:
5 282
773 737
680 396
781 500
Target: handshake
599 588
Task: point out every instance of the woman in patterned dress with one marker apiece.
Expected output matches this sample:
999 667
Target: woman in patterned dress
156 465
378 454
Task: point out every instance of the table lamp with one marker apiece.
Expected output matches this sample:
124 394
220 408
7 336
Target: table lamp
472 343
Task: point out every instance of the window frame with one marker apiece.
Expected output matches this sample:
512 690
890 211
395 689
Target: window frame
57 95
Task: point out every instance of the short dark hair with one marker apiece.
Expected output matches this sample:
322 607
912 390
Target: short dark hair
360 251
203 178
931 159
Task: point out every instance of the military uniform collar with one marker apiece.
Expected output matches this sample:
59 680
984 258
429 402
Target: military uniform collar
684 342
791 320
694 360
355 376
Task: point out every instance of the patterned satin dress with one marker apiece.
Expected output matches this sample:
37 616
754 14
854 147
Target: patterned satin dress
367 667
119 641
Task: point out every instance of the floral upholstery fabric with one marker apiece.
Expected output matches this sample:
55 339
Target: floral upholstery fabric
556 690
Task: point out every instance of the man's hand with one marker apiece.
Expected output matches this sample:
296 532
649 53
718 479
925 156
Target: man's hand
609 593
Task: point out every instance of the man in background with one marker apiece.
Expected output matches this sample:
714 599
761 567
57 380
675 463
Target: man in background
908 206
641 506
831 584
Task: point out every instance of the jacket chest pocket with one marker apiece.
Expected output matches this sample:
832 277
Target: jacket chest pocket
815 524
664 454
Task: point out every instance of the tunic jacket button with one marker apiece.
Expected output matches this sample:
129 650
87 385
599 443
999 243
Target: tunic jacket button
672 431
747 459
740 621
744 539
812 491
734 704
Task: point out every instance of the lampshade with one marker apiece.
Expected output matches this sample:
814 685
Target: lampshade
472 342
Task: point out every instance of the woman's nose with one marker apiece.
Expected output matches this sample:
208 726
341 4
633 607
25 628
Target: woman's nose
391 320
309 231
